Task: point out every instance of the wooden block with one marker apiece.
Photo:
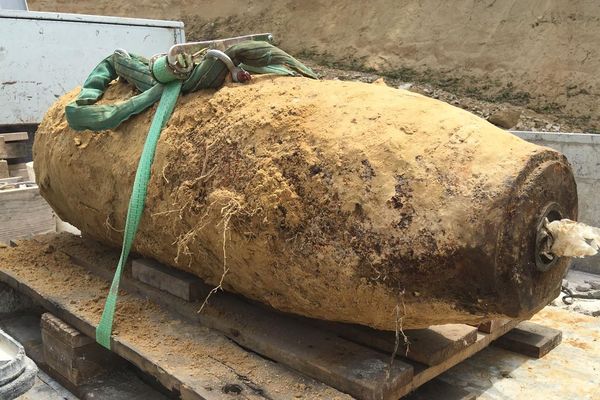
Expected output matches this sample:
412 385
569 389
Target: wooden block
4 169
429 346
530 339
24 212
73 355
14 136
440 390
424 375
30 171
64 332
348 367
10 150
433 345
178 283
491 326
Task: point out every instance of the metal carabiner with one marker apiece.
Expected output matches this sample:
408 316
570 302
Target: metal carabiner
237 73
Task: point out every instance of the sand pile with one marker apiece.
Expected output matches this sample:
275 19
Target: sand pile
336 200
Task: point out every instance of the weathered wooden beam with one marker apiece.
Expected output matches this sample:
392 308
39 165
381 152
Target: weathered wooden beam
424 374
4 169
14 136
185 286
429 346
76 357
492 325
530 339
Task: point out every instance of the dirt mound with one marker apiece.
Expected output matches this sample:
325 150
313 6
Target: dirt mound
337 200
540 54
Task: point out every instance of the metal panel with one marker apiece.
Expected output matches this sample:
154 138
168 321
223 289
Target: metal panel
13 5
101 19
44 55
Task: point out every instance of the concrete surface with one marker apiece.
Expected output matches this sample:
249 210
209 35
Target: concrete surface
590 307
583 152
46 388
569 372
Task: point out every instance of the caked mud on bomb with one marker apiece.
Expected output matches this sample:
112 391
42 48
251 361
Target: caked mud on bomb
335 200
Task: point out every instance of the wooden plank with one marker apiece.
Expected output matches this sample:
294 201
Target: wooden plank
423 375
11 180
178 283
428 346
440 390
24 212
12 150
4 169
181 354
350 368
14 136
530 339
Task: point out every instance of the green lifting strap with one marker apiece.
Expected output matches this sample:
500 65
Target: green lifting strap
136 204
83 113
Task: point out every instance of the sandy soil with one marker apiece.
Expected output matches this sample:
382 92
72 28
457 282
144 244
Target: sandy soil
542 55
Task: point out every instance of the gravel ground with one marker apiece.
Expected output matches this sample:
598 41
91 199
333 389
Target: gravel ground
581 283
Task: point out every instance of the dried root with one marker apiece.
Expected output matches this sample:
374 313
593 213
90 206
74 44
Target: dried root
231 208
109 225
399 331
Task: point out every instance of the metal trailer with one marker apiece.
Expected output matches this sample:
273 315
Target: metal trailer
14 5
43 55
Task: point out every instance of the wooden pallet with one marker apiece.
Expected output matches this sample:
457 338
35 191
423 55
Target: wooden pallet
297 357
24 212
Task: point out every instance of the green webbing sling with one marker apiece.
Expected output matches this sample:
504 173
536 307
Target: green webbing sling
136 204
83 113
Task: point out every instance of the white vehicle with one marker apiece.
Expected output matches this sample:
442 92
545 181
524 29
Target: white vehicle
44 55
